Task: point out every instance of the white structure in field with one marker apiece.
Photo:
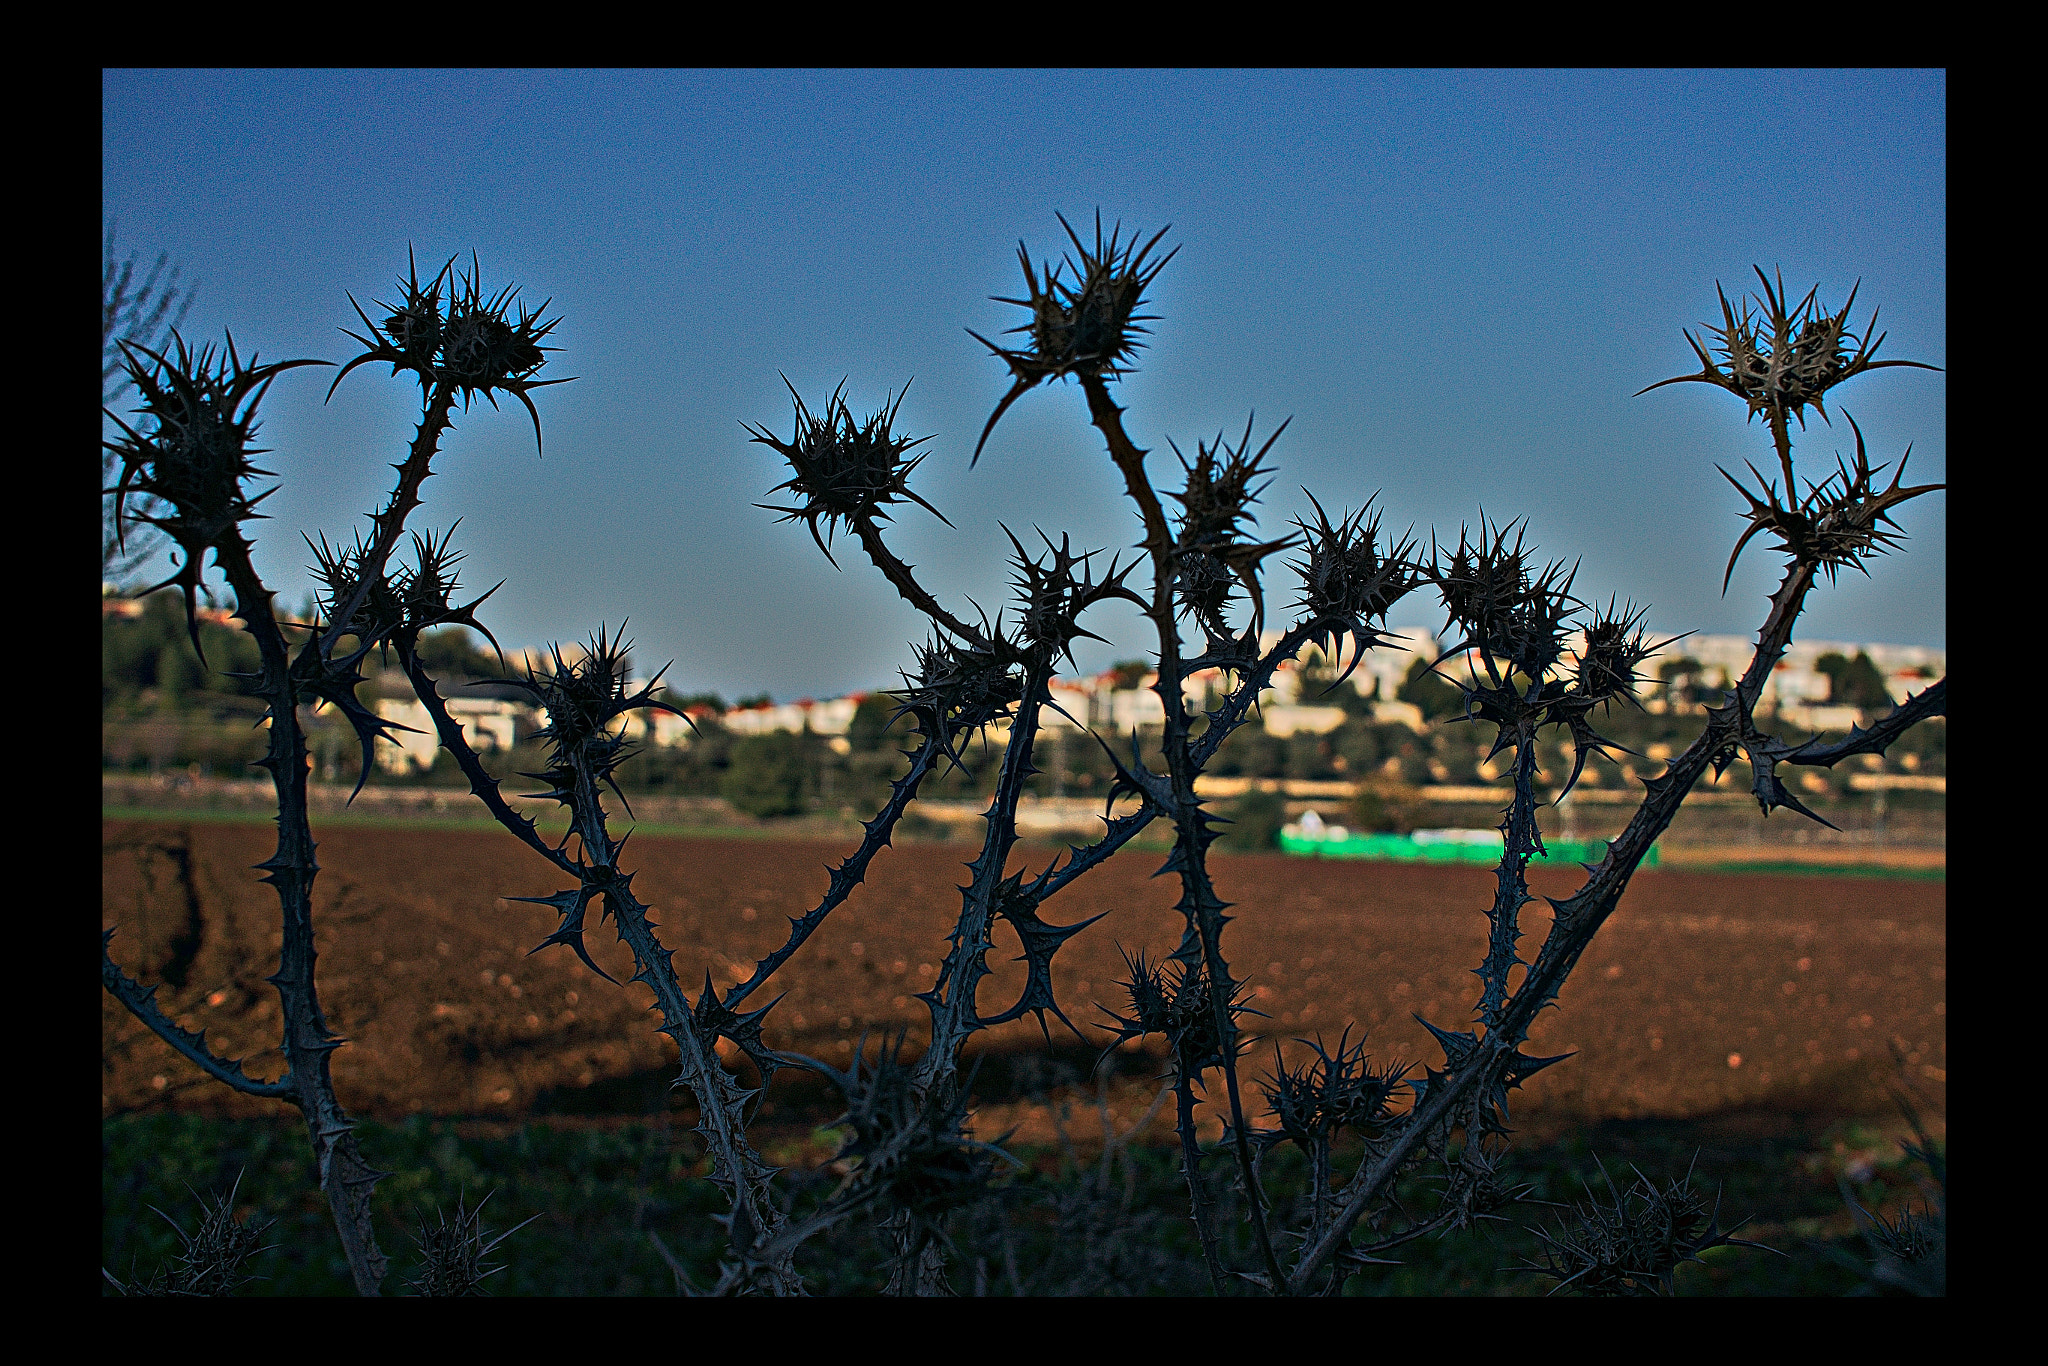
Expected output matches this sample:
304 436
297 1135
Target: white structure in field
487 723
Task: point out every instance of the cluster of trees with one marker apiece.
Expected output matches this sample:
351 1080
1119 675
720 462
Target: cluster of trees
147 663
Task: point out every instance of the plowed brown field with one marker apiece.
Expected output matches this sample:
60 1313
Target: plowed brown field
1706 992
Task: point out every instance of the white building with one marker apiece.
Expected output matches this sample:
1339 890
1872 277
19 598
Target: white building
487 723
831 717
1380 673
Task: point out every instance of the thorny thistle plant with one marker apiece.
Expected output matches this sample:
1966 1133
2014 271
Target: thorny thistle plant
211 1260
452 1252
190 452
1537 659
1086 327
1907 1253
1634 1244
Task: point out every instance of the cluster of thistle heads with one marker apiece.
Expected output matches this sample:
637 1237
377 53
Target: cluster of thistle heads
908 1149
191 455
1780 359
452 338
1516 617
1215 556
396 606
1634 1244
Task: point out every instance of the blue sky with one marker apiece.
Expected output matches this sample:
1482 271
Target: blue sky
1452 282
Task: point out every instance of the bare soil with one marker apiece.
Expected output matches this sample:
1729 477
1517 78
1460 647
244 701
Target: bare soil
1707 993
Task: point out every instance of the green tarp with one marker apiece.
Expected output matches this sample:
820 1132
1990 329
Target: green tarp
1407 849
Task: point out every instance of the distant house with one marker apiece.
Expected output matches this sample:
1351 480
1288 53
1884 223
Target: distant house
488 723
666 728
831 717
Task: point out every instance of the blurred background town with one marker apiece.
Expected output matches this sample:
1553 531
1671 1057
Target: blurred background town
1384 749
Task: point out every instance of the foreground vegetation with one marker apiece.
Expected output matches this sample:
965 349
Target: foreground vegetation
604 1193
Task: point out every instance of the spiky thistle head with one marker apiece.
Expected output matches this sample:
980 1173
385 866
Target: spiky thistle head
1054 589
212 1257
427 588
1514 614
959 687
194 451
1843 521
1334 1092
1779 358
1176 999
1635 1245
338 571
1606 668
452 337
1612 653
1088 326
583 695
1348 582
452 1252
584 699
1213 554
845 470
910 1150
1518 618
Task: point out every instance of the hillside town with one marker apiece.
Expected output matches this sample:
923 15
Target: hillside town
1378 745
1121 700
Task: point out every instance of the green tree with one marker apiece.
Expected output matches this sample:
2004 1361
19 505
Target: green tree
874 721
1388 808
1853 682
1129 673
152 652
1321 686
1436 698
1256 819
772 774
455 650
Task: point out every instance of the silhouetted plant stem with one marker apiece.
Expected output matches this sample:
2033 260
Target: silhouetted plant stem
951 998
906 584
1200 905
1520 841
389 524
346 1179
849 874
1202 1207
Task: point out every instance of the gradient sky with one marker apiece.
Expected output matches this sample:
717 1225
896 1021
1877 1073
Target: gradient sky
1452 282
